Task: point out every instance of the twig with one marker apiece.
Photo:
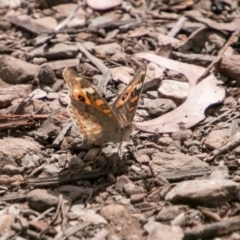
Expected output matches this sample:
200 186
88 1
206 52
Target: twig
61 135
232 118
22 104
13 197
102 68
60 199
220 54
193 57
173 176
73 230
209 214
177 27
13 116
74 176
15 121
229 146
30 233
38 169
44 214
216 119
68 18
213 230
154 145
102 85
44 38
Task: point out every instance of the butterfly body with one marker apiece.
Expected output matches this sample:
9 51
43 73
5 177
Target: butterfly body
96 120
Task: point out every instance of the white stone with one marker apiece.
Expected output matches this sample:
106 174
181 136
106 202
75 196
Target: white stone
174 89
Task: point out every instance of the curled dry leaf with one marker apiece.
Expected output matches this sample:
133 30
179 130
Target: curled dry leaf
200 96
103 4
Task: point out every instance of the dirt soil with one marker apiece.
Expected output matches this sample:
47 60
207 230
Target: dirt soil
177 174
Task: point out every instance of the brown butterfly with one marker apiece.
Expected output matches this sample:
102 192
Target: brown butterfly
96 120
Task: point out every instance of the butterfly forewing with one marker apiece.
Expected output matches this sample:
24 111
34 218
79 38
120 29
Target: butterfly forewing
126 104
81 89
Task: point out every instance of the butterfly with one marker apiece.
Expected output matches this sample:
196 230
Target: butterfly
97 121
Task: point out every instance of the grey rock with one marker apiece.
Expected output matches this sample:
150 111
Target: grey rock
5 25
91 154
137 198
108 49
89 45
174 89
13 149
89 69
168 213
216 138
101 234
131 189
46 75
114 211
77 22
6 221
220 172
38 94
102 20
119 217
58 51
9 93
182 135
60 64
52 168
230 102
64 98
30 160
159 106
165 141
121 181
173 162
91 216
50 128
54 105
162 232
152 94
119 57
12 170
57 85
52 95
16 71
43 199
212 193
37 105
194 150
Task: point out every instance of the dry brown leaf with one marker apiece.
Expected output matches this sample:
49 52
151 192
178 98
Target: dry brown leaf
191 112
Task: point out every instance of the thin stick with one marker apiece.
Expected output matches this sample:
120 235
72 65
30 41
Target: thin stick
220 54
102 68
213 230
177 27
229 146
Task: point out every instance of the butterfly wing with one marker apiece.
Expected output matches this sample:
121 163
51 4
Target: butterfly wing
126 104
89 110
